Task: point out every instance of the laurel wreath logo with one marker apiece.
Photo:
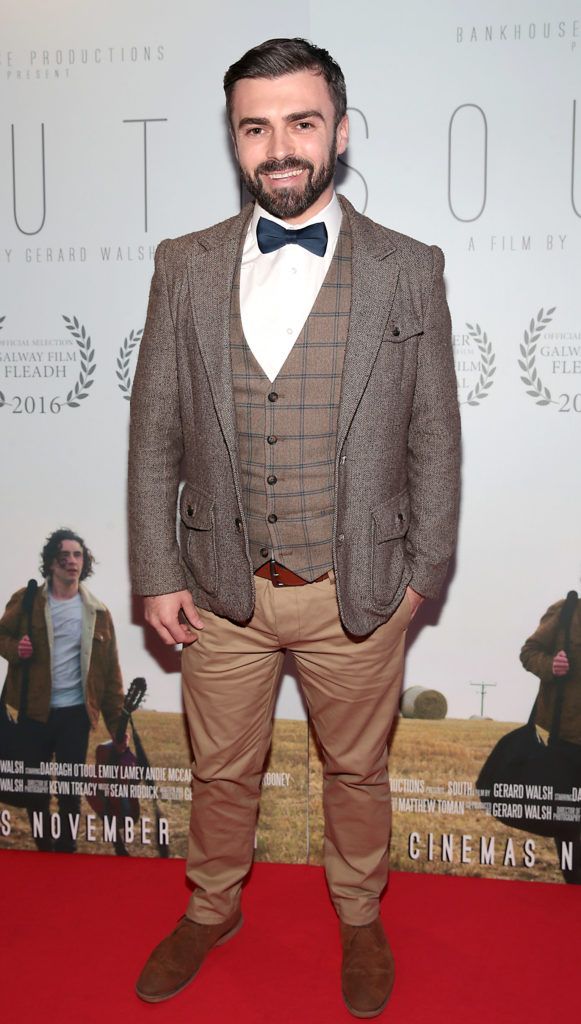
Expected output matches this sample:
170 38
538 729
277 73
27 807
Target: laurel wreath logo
3 401
124 380
81 388
528 349
481 389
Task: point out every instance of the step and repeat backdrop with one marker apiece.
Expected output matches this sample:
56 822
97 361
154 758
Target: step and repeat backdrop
465 132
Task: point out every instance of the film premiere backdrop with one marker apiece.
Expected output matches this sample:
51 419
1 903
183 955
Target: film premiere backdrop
465 132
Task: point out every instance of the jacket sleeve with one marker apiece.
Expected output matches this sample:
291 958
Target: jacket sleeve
539 650
112 702
155 448
434 446
11 629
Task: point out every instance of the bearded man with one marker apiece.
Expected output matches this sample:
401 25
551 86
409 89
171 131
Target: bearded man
296 375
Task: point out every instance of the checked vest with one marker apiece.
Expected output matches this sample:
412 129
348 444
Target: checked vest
287 430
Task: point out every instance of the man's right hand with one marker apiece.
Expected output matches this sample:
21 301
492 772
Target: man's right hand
25 648
162 612
560 664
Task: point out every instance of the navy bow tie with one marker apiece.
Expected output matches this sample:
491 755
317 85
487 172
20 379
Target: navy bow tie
271 236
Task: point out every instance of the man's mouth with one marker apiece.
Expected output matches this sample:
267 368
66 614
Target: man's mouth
277 175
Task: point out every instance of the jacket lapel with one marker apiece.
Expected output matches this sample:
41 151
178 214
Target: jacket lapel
374 280
211 271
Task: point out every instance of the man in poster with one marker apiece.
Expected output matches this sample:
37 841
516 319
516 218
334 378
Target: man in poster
73 672
296 373
559 672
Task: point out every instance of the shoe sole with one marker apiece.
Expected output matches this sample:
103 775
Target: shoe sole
368 1013
169 995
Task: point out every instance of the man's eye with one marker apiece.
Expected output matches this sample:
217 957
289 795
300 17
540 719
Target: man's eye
256 130
304 124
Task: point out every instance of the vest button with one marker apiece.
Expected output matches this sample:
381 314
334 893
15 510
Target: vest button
272 518
264 552
273 396
238 524
271 479
396 332
272 439
190 510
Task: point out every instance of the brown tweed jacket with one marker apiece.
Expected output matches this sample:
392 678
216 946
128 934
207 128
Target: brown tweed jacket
397 452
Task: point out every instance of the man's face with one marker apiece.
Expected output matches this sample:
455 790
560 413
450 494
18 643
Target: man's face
286 142
68 564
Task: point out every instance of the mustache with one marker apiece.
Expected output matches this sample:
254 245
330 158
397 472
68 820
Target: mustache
291 163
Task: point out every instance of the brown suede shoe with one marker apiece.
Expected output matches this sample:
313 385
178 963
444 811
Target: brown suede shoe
178 958
368 969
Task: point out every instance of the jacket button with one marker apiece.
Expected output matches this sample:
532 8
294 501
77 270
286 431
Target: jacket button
272 439
271 479
238 523
340 538
190 510
272 518
400 517
264 552
273 396
396 332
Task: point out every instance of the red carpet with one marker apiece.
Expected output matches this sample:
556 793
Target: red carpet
75 931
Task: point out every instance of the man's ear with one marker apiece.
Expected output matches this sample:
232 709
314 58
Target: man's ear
342 134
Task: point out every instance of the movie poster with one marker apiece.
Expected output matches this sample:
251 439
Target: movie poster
477 151
138 804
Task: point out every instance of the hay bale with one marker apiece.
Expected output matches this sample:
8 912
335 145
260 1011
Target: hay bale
419 702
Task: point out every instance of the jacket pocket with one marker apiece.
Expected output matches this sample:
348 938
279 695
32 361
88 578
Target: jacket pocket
398 330
198 537
390 523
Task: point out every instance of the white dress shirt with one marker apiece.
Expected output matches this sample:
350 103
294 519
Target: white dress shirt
278 289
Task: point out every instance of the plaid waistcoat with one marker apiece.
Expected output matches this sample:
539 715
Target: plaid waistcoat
287 430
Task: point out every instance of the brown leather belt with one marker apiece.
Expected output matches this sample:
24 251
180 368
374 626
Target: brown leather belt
280 576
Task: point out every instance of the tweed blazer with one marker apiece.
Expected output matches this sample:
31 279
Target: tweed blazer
397 452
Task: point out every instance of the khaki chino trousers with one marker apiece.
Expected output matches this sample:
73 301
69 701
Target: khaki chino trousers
351 686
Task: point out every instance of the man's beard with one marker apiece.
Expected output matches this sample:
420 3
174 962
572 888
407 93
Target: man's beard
287 203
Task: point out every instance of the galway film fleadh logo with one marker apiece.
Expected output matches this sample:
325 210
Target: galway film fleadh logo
46 375
123 372
474 361
551 363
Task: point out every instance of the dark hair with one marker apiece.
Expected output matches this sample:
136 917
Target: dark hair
52 547
277 57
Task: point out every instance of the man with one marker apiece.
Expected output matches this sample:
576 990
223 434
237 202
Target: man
559 672
73 672
296 373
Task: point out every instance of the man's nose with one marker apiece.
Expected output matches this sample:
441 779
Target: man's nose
280 144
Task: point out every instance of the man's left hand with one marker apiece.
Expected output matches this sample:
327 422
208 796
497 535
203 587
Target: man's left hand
415 600
561 664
